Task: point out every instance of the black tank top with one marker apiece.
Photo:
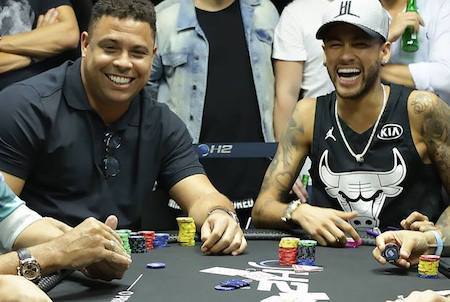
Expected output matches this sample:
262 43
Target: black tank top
389 184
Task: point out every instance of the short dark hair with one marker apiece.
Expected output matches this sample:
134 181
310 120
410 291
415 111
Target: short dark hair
140 10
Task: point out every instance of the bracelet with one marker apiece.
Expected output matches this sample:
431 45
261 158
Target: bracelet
228 211
439 243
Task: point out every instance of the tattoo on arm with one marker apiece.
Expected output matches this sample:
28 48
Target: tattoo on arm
436 132
283 169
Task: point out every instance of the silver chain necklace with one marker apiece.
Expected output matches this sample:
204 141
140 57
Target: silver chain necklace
360 157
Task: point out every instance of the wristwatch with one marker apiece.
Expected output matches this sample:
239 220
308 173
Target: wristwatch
28 267
292 206
229 212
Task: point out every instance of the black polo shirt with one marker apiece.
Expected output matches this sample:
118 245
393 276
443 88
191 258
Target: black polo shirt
51 137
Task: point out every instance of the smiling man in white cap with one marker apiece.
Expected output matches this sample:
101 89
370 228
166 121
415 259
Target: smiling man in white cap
378 152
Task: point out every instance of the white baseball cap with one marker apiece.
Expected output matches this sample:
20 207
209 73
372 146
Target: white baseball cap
368 15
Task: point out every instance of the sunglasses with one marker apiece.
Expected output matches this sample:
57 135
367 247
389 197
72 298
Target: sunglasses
111 165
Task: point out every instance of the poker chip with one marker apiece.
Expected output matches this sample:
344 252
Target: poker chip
156 265
351 243
287 251
137 244
428 266
307 252
149 238
186 233
232 284
160 240
391 252
124 235
224 288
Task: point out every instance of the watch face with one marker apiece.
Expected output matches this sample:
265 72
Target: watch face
30 269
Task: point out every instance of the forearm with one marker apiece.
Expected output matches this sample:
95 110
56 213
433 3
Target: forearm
281 114
267 213
199 210
397 74
45 41
10 62
47 257
39 232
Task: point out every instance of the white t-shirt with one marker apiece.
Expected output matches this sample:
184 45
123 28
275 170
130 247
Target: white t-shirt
295 40
430 65
15 216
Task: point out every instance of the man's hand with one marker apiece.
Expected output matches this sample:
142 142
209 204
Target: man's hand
401 21
221 234
424 296
412 245
327 226
18 289
417 222
94 248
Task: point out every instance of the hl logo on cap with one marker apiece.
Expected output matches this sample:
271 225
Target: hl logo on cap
345 9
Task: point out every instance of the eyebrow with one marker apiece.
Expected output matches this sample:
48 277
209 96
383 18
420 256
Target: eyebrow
134 47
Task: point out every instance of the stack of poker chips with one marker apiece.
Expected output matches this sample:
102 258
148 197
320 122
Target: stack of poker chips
428 266
186 233
160 240
137 243
149 237
124 234
307 252
287 251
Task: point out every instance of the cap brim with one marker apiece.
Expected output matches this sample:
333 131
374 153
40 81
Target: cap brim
323 30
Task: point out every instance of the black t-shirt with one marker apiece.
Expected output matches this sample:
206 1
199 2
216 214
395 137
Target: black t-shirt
231 112
21 16
51 138
392 181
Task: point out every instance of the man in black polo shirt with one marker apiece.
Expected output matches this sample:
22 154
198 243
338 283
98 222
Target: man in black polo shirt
86 138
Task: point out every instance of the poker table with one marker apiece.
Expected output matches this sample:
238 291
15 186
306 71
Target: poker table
349 274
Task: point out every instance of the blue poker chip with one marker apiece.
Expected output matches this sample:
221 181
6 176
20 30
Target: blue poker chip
156 265
225 288
236 283
391 253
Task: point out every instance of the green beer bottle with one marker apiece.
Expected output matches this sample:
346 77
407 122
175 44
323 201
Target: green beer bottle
410 39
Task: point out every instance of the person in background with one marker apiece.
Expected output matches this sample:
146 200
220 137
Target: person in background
35 36
213 68
428 68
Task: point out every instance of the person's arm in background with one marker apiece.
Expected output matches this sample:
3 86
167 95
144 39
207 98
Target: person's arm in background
220 233
289 55
434 74
55 32
423 296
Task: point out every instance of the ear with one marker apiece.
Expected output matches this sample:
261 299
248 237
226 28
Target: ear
84 43
385 53
324 57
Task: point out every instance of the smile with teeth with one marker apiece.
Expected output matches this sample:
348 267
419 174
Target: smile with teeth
119 80
348 73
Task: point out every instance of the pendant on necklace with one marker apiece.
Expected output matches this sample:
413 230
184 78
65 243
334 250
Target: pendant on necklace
359 158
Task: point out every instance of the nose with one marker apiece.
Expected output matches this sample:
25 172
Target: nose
347 54
123 61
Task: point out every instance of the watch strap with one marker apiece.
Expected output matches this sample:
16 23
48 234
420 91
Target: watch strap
439 243
23 254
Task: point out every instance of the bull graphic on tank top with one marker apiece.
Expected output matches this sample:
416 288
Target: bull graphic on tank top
363 191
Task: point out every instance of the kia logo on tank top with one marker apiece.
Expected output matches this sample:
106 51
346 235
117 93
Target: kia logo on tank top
390 132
